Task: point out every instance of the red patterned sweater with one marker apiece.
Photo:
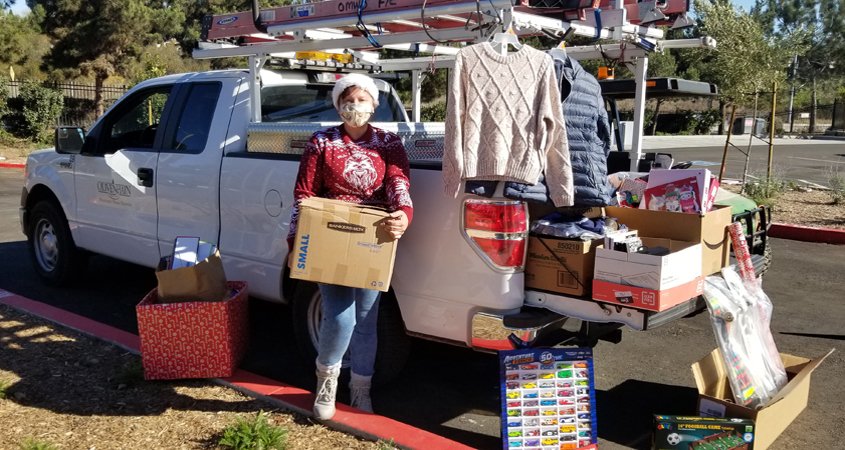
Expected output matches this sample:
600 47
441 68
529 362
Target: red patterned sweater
372 170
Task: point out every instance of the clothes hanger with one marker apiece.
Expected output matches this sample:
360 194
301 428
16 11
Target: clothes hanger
500 41
559 52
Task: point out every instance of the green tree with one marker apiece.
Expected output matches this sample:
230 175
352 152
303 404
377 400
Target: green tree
660 65
22 46
98 38
819 26
745 60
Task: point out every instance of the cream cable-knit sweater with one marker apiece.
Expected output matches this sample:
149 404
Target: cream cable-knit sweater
504 121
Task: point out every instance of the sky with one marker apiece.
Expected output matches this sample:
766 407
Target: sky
20 8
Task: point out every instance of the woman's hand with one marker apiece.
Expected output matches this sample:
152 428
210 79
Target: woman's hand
396 224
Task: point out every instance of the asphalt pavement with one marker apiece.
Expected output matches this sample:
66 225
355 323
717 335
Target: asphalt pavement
453 391
805 161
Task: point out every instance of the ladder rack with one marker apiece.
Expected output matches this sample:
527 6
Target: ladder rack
358 27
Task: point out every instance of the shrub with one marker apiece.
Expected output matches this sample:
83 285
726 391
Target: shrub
764 192
837 187
4 99
254 433
433 112
38 108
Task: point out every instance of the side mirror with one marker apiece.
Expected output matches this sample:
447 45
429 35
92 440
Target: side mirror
69 140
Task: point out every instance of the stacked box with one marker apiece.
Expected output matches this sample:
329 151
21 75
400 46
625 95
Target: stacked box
193 339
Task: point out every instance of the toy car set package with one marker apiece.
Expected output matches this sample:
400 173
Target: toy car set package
548 399
702 433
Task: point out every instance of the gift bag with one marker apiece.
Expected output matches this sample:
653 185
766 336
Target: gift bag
205 281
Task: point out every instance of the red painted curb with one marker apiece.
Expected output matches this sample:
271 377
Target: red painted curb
347 419
8 165
807 234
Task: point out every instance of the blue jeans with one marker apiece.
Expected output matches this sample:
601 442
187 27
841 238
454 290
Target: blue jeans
350 316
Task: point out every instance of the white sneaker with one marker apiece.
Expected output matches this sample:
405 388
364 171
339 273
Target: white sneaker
324 408
359 388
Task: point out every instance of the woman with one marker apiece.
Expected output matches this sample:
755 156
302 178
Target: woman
357 163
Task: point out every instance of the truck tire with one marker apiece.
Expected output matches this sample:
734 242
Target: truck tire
393 343
55 257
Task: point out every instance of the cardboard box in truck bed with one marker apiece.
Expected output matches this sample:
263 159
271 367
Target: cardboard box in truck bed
710 230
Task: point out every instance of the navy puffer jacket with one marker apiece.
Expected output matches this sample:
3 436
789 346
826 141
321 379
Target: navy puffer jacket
588 132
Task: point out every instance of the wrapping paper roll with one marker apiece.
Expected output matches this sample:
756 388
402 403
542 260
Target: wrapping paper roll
741 252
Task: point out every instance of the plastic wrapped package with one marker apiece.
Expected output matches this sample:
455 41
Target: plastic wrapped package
741 316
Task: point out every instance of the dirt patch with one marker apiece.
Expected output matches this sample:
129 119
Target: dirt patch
812 209
75 392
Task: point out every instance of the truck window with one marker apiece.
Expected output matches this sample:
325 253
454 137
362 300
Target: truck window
313 103
195 119
134 123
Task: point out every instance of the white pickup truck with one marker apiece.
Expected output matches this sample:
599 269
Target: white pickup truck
179 155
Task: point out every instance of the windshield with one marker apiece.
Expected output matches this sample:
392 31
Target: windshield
313 103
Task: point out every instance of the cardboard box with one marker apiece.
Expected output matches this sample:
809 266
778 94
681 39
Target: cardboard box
648 299
650 271
709 230
715 397
342 243
702 433
193 339
543 271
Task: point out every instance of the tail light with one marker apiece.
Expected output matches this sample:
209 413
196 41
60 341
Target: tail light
498 229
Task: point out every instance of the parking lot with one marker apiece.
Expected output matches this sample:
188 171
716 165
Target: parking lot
454 392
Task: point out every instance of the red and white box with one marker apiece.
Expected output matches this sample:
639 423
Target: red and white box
193 339
644 298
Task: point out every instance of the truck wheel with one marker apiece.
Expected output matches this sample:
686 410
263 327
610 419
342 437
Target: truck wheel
393 343
54 254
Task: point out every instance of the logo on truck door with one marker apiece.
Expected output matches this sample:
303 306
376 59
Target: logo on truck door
114 191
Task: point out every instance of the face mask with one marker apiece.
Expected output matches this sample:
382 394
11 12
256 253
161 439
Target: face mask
356 114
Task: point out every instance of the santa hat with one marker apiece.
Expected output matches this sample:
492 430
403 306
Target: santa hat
358 80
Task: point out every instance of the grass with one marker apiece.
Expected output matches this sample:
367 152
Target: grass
385 445
33 444
254 433
3 386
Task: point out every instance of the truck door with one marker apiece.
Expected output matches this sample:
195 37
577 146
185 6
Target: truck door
189 163
116 178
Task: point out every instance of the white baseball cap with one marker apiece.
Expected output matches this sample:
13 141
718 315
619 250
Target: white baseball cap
358 80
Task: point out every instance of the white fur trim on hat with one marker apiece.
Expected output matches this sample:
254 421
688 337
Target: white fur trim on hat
354 79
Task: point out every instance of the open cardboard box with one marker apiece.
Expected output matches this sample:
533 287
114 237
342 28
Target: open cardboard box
715 398
650 271
710 230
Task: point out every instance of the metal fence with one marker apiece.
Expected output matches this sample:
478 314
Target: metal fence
78 109
74 90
